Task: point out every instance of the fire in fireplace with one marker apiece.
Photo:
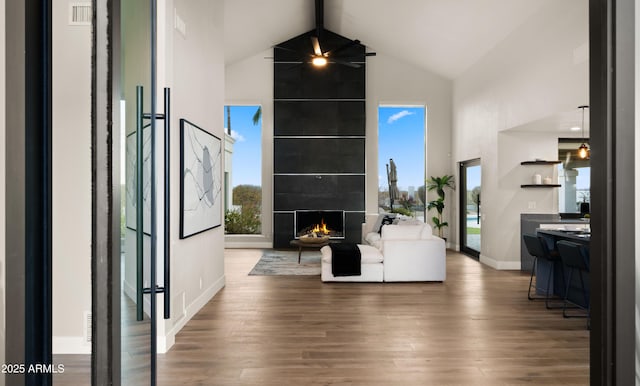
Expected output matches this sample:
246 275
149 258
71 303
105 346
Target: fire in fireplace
322 222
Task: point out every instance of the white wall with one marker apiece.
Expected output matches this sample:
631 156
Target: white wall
71 183
389 81
250 82
193 67
3 228
540 70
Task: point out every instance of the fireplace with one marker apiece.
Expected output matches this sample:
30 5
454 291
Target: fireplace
322 222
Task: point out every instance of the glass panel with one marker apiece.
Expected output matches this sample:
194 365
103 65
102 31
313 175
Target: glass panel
243 169
136 71
71 194
470 202
574 174
401 138
472 207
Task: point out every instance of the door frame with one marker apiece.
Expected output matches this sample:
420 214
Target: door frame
462 205
612 99
105 166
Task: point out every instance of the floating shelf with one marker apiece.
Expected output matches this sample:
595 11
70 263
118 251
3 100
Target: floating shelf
540 162
540 186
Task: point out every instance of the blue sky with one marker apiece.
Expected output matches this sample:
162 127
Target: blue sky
473 177
401 133
247 150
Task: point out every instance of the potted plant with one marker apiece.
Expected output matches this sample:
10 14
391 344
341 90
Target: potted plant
439 184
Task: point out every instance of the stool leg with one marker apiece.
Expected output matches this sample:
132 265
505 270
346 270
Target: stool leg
533 269
299 253
566 294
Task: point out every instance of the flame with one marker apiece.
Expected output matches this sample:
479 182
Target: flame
321 228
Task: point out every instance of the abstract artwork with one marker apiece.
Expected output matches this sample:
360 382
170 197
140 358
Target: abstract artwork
131 183
200 180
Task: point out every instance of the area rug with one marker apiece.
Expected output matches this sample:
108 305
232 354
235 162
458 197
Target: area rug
276 263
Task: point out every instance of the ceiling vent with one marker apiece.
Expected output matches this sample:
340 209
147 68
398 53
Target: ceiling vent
80 14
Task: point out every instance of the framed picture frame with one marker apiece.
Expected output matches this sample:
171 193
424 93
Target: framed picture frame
200 180
131 182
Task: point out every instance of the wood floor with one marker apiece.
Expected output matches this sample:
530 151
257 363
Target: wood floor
477 328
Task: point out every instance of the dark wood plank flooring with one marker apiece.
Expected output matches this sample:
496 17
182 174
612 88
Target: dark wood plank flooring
477 328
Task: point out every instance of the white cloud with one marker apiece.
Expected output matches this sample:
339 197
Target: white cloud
399 115
237 136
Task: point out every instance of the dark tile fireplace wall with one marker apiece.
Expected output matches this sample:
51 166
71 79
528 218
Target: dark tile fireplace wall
319 135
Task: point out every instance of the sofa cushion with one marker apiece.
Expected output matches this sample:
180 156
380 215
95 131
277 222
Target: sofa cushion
404 220
368 254
402 232
373 238
427 232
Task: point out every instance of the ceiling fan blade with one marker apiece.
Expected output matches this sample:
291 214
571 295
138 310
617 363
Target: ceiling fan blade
342 47
316 46
344 63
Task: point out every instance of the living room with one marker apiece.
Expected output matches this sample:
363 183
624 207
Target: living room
496 108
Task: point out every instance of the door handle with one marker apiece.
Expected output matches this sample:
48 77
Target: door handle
140 289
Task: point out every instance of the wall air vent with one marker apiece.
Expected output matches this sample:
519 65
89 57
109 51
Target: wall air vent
88 326
80 14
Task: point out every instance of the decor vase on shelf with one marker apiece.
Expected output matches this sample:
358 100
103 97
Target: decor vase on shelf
537 179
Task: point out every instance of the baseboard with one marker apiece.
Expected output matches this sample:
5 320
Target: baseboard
166 342
499 265
70 345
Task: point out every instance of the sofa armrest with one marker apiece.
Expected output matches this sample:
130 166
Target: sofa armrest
415 260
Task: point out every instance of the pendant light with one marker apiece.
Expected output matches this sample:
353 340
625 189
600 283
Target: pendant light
583 150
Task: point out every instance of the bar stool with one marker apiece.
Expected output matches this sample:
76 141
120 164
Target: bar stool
539 250
573 257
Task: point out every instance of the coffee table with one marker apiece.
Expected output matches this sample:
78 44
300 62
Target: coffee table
302 244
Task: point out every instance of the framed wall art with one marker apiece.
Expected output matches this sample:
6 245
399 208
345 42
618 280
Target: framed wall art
200 180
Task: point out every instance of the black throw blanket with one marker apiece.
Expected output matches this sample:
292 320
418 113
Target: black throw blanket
345 259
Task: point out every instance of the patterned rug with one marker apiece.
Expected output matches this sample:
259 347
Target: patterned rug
275 263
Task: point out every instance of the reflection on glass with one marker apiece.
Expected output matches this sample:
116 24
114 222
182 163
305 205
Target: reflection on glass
574 174
473 200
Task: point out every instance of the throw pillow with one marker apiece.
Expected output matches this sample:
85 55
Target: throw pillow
387 220
388 217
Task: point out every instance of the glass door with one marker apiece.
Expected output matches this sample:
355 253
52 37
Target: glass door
141 182
470 205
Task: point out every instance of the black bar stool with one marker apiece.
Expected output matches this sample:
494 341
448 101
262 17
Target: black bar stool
573 257
539 250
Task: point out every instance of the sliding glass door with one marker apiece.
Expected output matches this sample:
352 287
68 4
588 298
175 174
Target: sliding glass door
470 204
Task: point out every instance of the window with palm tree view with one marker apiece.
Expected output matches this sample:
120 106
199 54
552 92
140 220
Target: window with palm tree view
243 169
401 160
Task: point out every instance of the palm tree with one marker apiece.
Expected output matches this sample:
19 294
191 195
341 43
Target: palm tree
257 116
439 184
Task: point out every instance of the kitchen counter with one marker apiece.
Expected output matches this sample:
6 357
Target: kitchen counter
531 222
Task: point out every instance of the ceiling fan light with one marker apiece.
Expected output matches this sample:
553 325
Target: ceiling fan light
319 61
583 151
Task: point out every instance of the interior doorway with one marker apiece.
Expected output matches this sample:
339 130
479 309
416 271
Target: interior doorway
470 204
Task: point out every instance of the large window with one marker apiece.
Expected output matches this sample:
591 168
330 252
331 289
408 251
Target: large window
243 169
401 138
574 174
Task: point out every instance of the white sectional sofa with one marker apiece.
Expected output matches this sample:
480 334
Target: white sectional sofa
405 251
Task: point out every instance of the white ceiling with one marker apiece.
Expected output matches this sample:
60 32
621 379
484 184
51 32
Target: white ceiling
443 36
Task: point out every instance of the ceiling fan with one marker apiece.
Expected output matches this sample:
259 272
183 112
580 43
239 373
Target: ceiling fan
319 57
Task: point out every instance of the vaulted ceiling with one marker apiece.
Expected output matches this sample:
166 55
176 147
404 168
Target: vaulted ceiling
443 36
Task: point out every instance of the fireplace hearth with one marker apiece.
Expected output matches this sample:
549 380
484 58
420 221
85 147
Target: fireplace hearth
322 222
